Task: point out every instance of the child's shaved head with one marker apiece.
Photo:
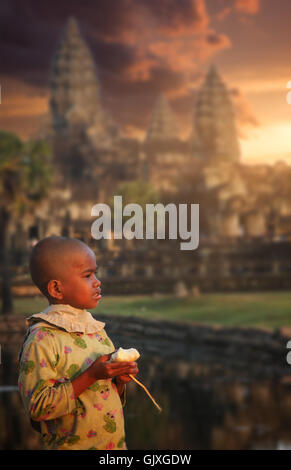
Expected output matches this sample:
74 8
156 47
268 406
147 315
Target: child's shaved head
50 257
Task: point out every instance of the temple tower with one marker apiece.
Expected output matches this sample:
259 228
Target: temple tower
163 126
214 122
83 134
75 90
165 153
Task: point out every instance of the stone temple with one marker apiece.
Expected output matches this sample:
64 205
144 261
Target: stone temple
214 128
245 209
85 139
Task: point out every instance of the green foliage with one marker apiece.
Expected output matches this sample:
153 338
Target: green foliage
252 309
37 170
10 145
25 177
135 192
25 172
10 161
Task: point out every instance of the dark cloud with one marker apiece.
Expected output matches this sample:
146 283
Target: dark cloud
134 104
141 48
214 38
30 30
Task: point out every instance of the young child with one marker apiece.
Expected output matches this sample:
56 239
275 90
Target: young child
67 384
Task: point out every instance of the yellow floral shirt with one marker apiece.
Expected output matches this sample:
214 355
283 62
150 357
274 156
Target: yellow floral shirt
50 358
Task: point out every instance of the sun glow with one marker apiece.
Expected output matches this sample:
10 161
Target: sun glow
268 144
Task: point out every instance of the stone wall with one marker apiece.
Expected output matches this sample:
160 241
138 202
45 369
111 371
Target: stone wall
214 351
221 380
157 267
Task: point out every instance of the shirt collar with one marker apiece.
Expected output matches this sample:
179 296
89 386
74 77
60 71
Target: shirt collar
69 318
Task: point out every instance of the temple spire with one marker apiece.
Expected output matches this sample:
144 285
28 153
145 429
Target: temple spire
72 27
214 121
163 126
75 90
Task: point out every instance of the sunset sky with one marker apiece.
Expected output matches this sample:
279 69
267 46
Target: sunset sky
144 47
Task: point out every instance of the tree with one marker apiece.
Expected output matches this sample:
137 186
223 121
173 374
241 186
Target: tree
138 192
25 177
132 192
135 192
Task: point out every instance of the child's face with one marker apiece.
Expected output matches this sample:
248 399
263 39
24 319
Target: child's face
81 288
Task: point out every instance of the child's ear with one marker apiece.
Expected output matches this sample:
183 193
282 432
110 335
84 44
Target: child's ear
55 289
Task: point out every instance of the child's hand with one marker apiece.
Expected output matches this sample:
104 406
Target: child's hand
124 379
102 369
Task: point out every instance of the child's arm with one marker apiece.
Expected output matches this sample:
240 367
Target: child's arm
45 395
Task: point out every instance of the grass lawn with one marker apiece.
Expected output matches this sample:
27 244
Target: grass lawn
260 309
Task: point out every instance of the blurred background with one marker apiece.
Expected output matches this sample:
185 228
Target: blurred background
176 101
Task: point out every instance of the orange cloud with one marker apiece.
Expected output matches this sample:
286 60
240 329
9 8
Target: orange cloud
184 53
171 65
221 15
183 56
250 7
245 117
151 19
166 34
